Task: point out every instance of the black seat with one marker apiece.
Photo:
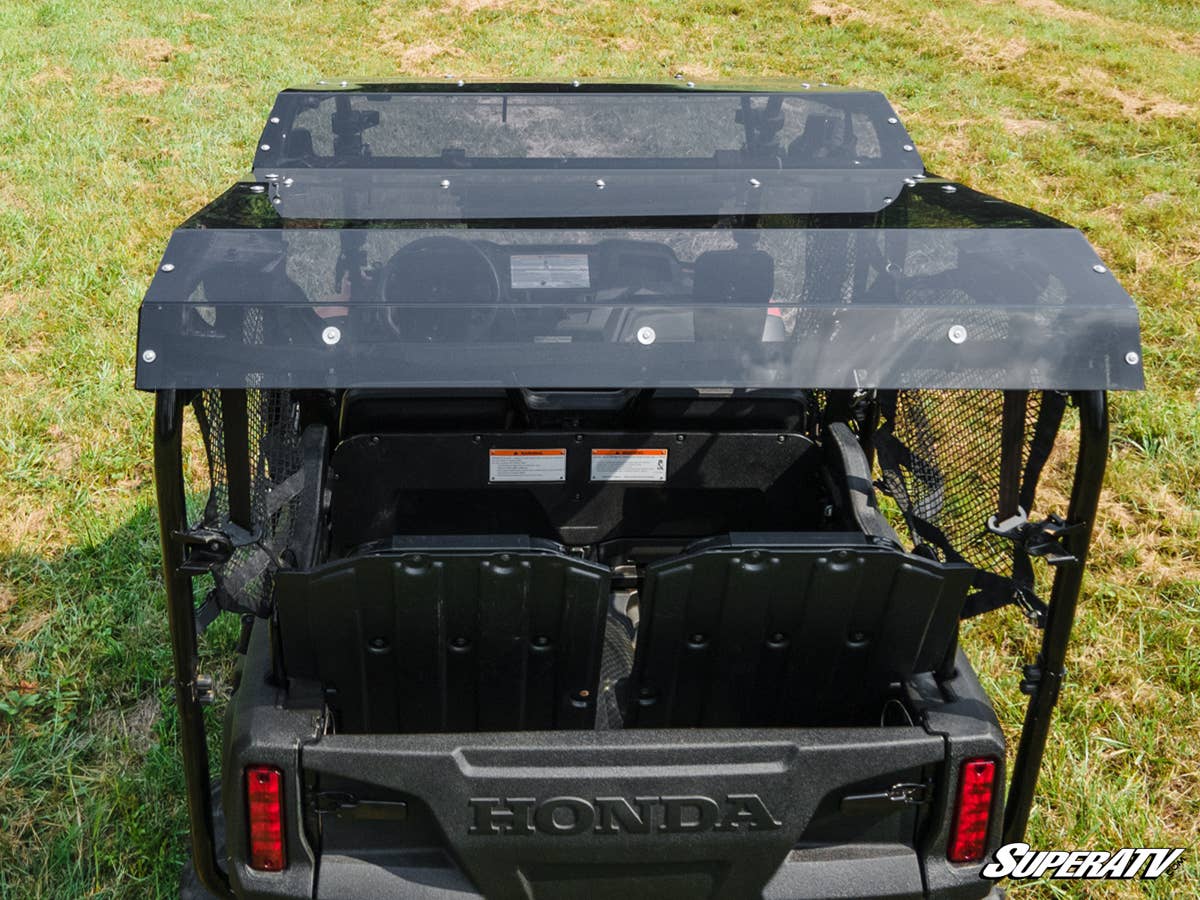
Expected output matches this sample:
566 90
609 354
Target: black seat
449 634
789 629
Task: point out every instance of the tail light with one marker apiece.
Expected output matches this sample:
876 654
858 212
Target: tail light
264 811
972 811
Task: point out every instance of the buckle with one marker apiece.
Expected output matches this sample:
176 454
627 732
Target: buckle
1040 539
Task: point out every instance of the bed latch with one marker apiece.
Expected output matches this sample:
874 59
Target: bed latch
903 794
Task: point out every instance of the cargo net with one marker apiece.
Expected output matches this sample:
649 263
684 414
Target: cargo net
267 497
940 454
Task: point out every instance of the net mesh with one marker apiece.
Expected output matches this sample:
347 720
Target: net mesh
275 474
952 478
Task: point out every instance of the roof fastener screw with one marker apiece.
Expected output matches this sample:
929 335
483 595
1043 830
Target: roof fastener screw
805 85
679 76
444 183
272 177
911 182
691 84
343 83
167 267
754 182
461 82
957 334
887 200
150 356
600 184
257 188
646 335
948 189
288 182
1099 268
276 200
274 120
1131 357
575 83
908 148
892 120
264 146
331 335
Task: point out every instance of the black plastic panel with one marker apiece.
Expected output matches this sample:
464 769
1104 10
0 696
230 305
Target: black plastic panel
439 483
768 631
441 639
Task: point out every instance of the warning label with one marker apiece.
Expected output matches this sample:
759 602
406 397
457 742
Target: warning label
528 465
629 465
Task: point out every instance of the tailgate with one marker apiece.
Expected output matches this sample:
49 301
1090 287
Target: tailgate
613 814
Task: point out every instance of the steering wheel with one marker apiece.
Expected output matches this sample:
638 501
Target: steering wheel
434 270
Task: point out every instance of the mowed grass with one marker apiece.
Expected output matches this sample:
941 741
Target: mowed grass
121 119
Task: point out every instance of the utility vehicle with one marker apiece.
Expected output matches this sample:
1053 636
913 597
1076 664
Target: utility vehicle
601 474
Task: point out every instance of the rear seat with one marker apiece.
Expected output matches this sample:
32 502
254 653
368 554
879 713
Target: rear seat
444 634
788 629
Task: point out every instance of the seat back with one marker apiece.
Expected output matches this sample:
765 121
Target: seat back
449 634
788 629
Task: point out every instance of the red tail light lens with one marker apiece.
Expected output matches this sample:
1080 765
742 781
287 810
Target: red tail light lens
264 811
968 840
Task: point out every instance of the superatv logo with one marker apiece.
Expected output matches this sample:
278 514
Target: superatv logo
618 815
1019 861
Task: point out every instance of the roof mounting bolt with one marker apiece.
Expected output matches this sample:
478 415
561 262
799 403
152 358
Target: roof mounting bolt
331 335
150 356
824 84
1099 269
600 185
908 148
957 334
911 182
257 188
322 81
887 200
271 177
344 83
1132 358
461 82
691 84
444 184
754 182
288 182
646 335
948 189
805 85
447 75
276 200
167 267
575 83
274 120
892 120
264 146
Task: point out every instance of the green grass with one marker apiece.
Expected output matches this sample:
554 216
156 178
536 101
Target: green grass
120 119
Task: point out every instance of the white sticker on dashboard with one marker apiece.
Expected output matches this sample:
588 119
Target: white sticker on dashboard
527 465
629 465
549 270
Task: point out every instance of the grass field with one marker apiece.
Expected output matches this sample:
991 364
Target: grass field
120 119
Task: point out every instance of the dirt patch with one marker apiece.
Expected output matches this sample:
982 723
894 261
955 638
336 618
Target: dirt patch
151 51
990 55
1135 106
9 304
8 598
833 13
420 54
470 6
1024 127
137 87
51 74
